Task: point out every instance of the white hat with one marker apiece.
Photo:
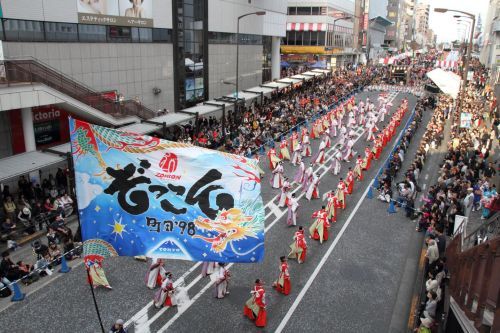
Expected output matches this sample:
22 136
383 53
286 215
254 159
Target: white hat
119 322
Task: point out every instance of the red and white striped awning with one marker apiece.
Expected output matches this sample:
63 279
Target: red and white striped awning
306 26
446 64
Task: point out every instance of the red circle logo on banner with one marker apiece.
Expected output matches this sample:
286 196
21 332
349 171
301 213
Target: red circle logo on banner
169 162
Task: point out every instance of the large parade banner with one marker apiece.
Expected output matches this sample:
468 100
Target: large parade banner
140 195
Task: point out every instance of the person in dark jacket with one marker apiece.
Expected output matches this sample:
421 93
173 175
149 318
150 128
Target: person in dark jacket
118 327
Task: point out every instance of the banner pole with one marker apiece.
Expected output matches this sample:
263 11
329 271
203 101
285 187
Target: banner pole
89 279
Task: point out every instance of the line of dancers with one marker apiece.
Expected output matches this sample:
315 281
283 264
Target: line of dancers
363 116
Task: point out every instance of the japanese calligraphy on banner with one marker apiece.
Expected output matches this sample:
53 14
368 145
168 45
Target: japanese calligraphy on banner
140 195
133 13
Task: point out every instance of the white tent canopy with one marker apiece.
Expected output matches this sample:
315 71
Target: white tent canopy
448 82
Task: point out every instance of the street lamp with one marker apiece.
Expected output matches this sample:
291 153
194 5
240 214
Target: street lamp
471 37
259 13
466 26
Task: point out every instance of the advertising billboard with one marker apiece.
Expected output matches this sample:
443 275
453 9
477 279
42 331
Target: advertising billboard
132 13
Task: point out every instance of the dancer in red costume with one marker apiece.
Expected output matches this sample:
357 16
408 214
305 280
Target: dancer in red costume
283 284
255 307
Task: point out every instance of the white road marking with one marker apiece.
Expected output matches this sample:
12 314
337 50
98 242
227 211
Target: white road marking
360 131
311 279
144 310
278 217
426 176
321 264
275 209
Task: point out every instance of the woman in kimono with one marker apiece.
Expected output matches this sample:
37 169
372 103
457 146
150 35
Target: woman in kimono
96 276
277 176
255 307
293 205
319 228
221 278
285 189
155 274
283 285
284 153
298 248
165 296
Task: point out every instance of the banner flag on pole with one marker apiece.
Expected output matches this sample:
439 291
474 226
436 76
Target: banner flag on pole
140 195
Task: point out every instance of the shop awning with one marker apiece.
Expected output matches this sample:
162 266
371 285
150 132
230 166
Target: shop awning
265 90
289 80
448 82
277 85
170 119
306 26
22 164
302 77
313 73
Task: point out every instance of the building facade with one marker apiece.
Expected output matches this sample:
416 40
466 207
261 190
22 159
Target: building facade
422 11
490 52
400 35
319 33
163 54
371 28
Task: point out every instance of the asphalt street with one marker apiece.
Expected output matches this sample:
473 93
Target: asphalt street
355 291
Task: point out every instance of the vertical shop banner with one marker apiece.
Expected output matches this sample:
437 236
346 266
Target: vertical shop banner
140 195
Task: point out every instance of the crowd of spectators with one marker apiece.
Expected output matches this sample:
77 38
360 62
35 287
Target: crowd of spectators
466 181
42 208
244 132
408 188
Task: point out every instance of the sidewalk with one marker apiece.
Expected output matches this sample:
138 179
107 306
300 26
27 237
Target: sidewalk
25 253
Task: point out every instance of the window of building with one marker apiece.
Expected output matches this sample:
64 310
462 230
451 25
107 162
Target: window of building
314 38
292 10
146 35
306 38
230 38
40 31
303 10
162 35
321 37
189 51
91 33
119 34
22 30
65 32
290 38
315 10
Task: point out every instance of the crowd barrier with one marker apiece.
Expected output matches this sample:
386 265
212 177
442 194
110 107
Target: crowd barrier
18 295
417 91
385 166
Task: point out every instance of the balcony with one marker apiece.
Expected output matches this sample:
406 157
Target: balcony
474 266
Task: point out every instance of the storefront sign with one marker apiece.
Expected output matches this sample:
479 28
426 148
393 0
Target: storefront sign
116 12
309 49
50 126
